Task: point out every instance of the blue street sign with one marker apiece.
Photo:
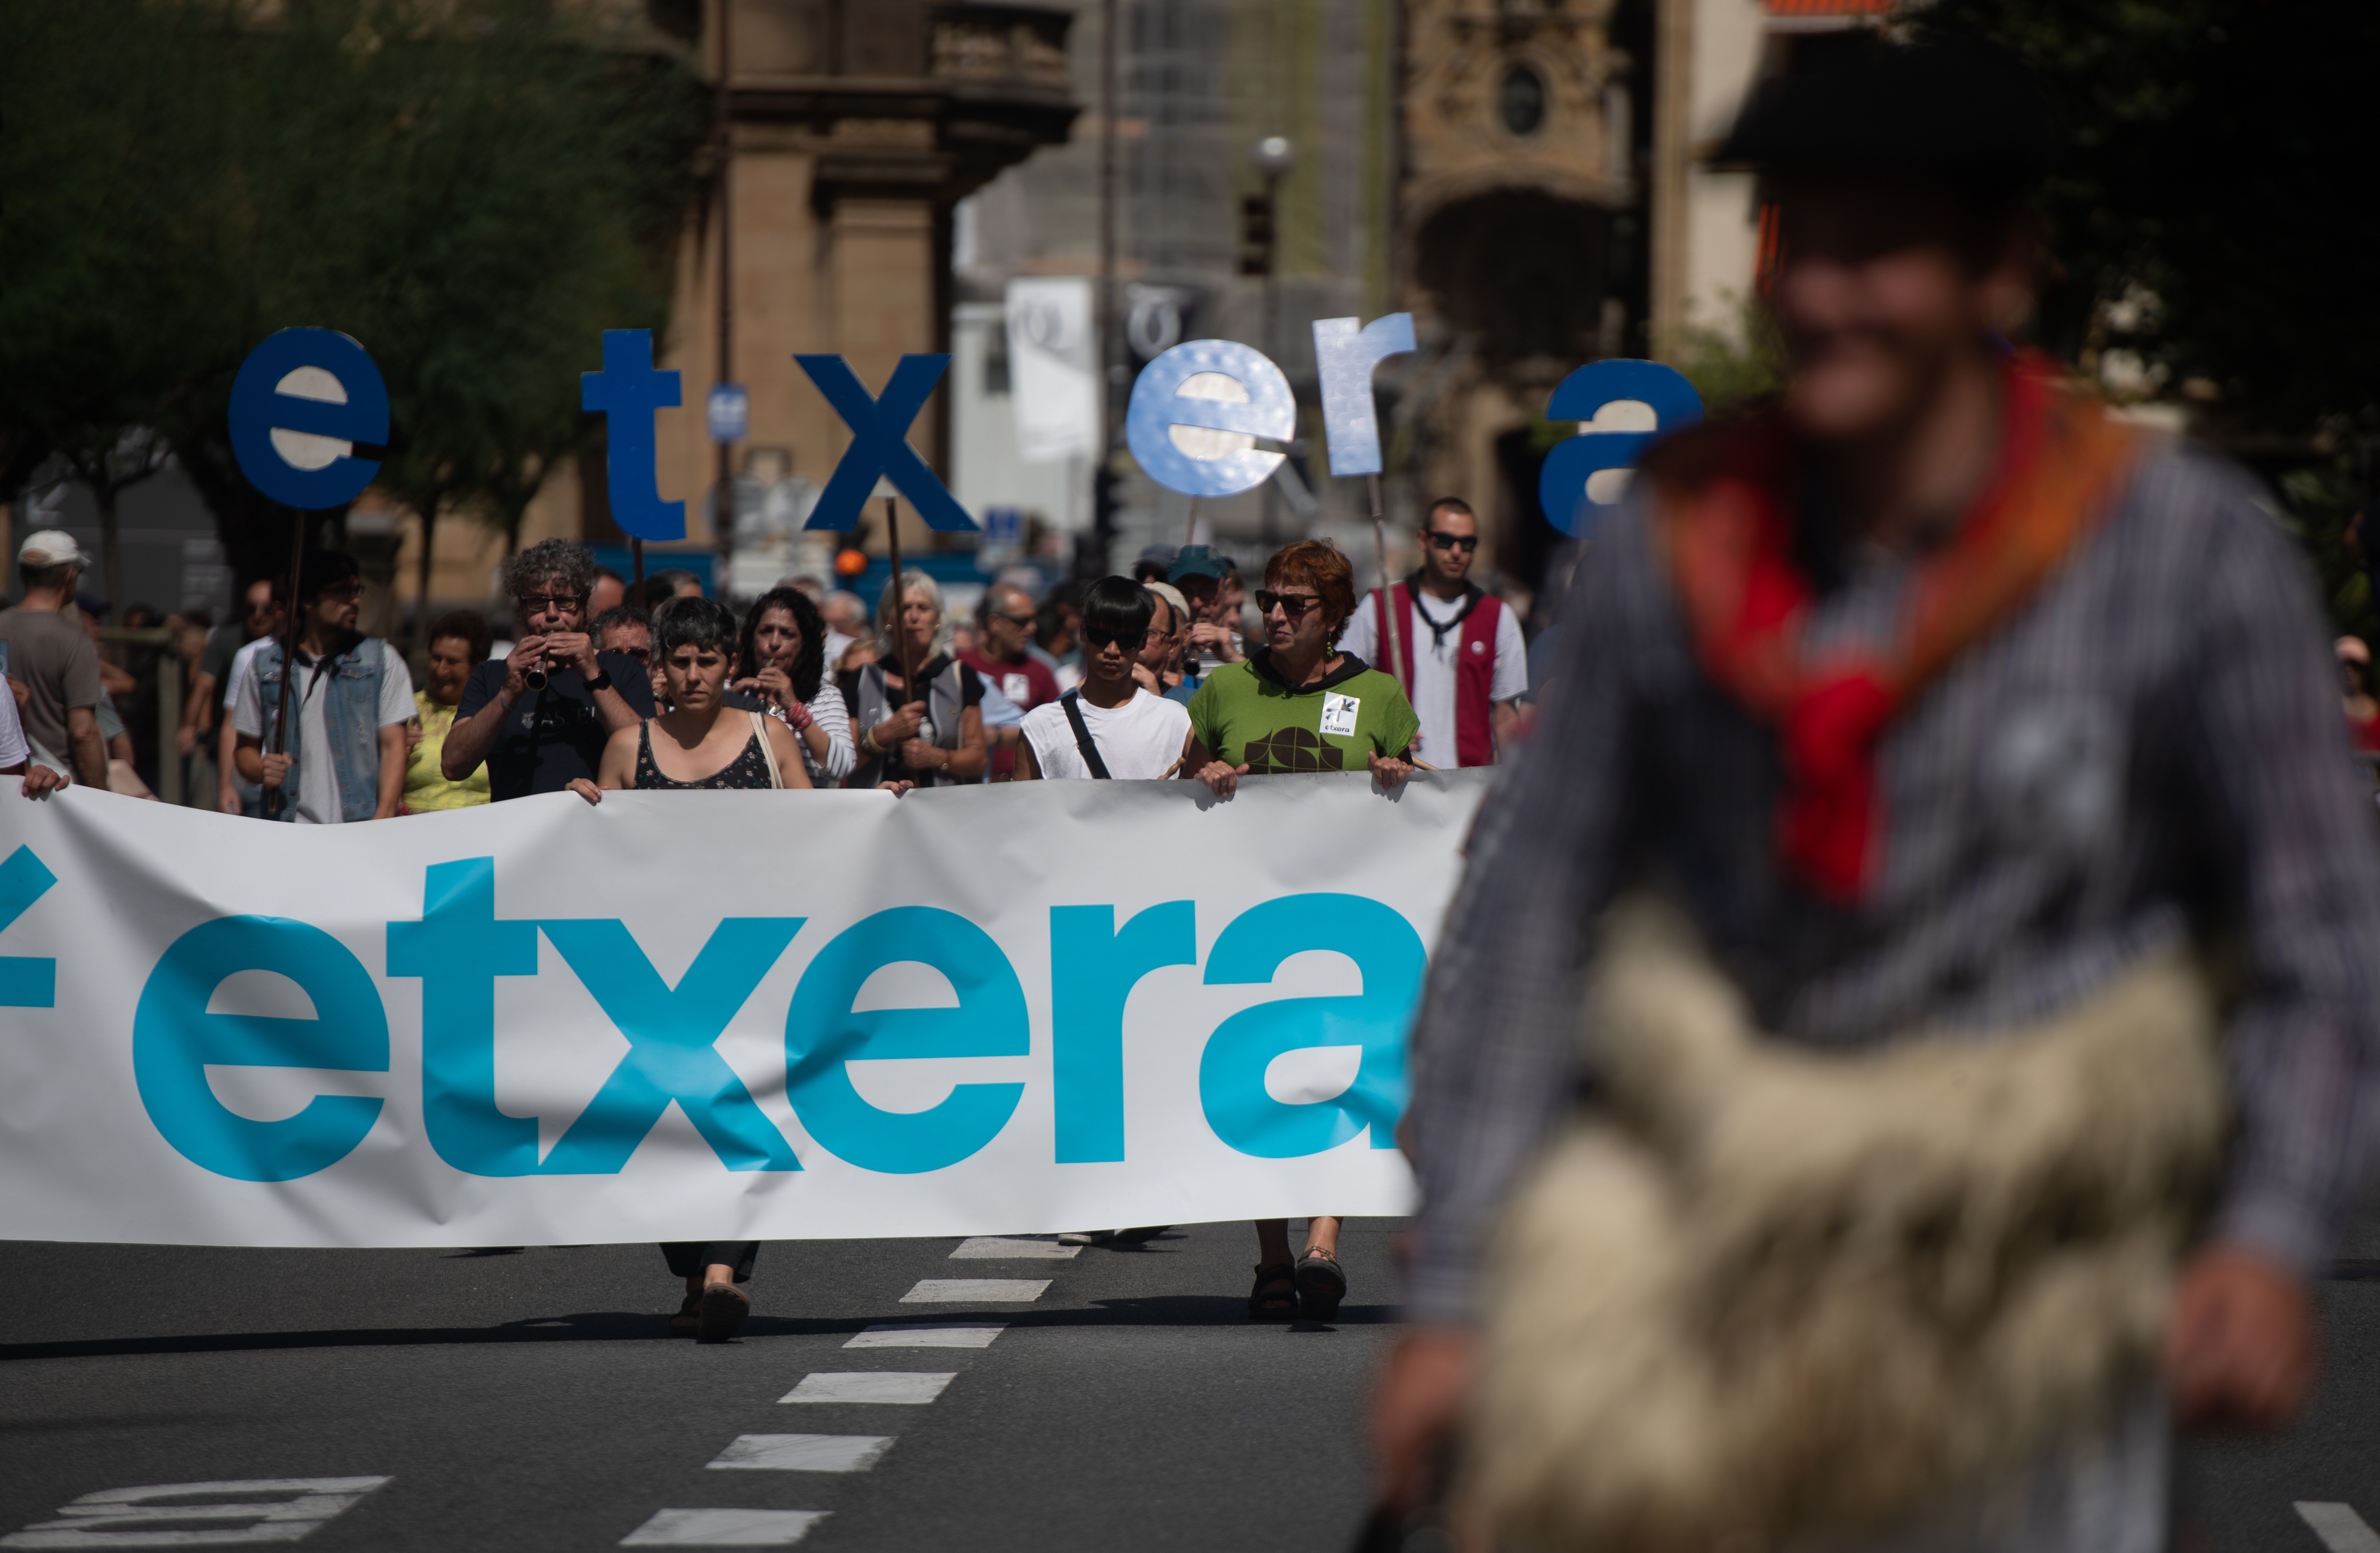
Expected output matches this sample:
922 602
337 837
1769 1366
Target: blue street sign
731 412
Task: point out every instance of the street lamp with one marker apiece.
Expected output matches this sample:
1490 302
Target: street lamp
1273 157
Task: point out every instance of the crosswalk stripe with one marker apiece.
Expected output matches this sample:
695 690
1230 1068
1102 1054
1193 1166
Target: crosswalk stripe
723 1528
903 1388
913 1334
2342 1530
1009 1248
975 1291
802 1452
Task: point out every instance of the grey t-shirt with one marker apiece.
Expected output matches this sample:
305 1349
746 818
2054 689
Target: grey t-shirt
223 645
49 654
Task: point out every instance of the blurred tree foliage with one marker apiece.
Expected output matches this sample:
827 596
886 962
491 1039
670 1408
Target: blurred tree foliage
473 189
2210 210
1732 367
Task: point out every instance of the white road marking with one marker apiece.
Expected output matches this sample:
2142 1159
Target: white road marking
913 1334
1007 1248
907 1387
2342 1530
975 1291
803 1452
723 1528
265 1509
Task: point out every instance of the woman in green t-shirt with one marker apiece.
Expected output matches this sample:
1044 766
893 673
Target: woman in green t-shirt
1299 704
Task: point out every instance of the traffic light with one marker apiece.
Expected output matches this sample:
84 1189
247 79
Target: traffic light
1256 235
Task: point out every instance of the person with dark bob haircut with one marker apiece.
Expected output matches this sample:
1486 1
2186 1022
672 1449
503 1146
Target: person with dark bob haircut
459 641
1296 703
781 669
698 744
1108 727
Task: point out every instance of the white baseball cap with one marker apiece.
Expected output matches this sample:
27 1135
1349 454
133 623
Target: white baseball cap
50 547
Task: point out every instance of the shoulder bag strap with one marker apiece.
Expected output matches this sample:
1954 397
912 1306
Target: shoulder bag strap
1083 736
760 732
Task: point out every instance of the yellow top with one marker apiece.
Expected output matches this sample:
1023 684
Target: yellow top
425 786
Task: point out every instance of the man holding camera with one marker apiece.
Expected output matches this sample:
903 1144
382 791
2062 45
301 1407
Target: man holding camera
540 718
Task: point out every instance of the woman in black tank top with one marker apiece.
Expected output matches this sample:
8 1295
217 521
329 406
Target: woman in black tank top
698 743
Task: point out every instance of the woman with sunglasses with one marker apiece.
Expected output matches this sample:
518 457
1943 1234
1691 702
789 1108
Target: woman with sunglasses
781 660
1299 704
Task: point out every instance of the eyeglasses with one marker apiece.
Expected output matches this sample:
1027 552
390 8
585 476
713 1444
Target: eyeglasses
342 591
1022 622
1289 604
538 603
1466 543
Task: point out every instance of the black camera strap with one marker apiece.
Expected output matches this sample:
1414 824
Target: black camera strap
1083 741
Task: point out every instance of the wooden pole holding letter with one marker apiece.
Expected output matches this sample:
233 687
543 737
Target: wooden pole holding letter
274 796
900 596
1399 663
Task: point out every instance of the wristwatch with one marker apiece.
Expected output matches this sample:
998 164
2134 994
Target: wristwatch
603 681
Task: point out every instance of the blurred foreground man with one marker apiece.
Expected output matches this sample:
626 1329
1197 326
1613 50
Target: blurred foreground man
1951 728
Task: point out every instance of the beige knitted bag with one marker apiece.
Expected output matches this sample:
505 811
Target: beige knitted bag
1764 1296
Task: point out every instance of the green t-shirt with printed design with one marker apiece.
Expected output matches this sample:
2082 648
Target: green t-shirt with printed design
1247 716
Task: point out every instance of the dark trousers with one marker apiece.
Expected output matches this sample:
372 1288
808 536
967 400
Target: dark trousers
687 1258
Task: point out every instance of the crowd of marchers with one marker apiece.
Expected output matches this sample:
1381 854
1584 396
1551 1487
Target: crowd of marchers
1177 671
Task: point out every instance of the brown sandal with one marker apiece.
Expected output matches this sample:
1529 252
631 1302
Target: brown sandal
688 1319
1321 1284
1274 1298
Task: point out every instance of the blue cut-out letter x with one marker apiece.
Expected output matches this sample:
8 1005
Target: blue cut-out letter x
878 430
671 1055
25 981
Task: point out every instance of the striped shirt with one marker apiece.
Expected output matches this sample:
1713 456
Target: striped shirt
2148 750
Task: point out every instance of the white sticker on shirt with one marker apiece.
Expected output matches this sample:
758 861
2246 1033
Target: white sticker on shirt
1339 714
1016 687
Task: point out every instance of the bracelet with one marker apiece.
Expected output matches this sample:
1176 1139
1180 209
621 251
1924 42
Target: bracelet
868 739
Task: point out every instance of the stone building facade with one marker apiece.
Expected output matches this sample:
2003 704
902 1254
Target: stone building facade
858 126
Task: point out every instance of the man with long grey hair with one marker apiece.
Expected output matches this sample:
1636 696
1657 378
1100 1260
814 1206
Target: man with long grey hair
540 718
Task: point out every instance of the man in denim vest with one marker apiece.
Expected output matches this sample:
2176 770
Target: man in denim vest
351 700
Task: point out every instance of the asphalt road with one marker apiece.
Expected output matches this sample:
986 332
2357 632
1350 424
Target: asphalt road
531 1401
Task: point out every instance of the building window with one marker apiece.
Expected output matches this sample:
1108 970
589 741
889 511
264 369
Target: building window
1521 100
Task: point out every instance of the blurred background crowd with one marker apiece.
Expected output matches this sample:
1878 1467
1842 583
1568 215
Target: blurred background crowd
1052 193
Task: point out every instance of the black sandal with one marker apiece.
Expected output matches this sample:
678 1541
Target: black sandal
1320 1285
1275 1296
724 1306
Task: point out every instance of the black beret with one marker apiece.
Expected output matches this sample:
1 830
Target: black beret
1948 110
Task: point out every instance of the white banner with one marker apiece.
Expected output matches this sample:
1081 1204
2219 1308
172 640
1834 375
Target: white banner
715 1015
1052 369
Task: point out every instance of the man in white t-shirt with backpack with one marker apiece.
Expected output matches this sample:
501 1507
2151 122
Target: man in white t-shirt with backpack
1454 647
1107 727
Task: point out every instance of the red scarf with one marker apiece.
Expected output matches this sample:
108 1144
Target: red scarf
1730 541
